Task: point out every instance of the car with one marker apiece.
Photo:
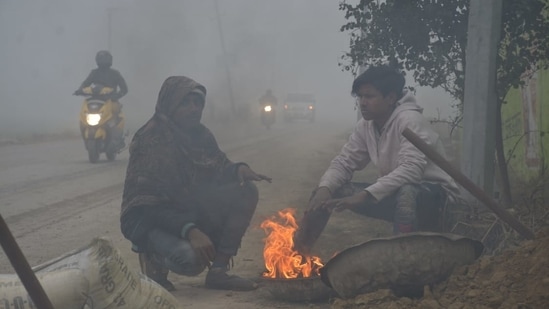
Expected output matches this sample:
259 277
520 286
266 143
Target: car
299 106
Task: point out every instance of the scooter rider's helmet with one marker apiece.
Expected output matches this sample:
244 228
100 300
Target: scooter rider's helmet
103 58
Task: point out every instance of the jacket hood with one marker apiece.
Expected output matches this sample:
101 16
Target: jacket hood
406 103
173 90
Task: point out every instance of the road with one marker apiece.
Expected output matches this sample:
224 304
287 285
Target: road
55 201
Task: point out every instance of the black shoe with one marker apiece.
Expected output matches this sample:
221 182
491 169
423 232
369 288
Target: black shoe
218 279
165 283
153 268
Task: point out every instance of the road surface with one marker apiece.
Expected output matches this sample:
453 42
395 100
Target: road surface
55 201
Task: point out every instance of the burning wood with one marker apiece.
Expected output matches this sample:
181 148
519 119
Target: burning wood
281 259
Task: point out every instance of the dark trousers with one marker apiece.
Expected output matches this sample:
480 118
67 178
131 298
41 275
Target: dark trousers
225 212
413 207
417 205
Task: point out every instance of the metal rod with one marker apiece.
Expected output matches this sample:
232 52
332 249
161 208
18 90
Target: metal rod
109 26
22 268
468 184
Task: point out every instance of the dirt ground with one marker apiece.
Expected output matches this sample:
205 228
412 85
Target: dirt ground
516 279
75 202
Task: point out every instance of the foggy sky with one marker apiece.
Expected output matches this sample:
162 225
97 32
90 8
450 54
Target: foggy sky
48 48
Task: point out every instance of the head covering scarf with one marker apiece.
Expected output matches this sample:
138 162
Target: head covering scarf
167 159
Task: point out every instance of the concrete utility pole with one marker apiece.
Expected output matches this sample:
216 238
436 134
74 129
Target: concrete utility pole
479 106
361 69
110 11
225 58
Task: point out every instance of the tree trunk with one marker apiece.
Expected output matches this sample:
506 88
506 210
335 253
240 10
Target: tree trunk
502 163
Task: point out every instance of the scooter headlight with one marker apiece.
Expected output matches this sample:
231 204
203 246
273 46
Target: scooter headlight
268 108
93 119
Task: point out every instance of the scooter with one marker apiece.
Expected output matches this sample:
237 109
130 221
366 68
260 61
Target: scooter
101 122
268 116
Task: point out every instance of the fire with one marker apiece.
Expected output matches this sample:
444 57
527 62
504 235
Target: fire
281 260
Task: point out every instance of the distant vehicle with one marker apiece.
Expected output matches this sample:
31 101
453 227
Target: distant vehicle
101 127
299 106
268 115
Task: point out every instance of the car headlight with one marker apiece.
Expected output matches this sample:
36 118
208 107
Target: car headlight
267 108
93 119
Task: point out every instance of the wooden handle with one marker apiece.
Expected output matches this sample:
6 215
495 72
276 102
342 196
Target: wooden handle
22 268
470 186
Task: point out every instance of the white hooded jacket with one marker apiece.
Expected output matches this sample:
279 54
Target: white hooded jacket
398 161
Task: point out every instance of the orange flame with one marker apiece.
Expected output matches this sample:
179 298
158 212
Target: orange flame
281 260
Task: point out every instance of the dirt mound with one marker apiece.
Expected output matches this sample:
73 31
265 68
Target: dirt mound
515 279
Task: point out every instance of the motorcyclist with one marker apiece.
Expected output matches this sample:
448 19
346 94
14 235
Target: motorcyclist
106 76
268 99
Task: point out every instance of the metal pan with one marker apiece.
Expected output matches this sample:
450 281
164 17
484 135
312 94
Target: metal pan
402 263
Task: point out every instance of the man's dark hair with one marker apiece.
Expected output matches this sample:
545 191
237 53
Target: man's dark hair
384 78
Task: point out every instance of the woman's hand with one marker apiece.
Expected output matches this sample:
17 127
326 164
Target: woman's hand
202 245
245 173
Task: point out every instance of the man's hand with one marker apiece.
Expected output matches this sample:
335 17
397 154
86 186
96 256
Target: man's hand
322 195
349 202
245 173
313 222
202 245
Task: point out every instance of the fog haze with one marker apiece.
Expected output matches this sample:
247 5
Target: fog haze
48 49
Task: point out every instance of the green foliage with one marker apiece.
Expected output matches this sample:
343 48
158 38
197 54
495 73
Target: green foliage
429 39
524 45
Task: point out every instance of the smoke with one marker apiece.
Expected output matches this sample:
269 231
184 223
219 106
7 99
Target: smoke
48 48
